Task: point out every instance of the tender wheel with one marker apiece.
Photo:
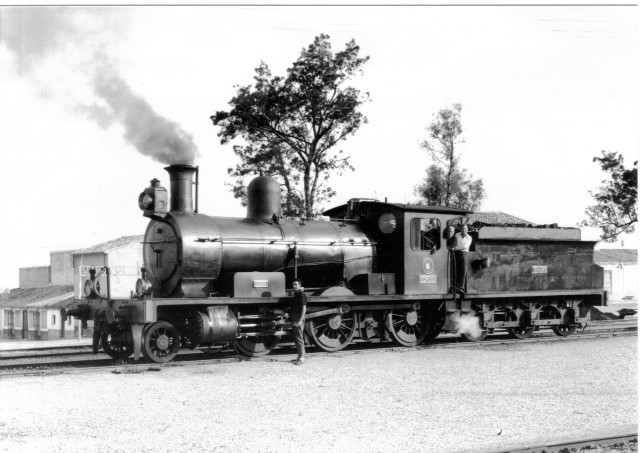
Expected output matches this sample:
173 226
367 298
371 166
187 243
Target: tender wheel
117 342
564 330
469 327
256 346
523 331
408 327
332 332
160 342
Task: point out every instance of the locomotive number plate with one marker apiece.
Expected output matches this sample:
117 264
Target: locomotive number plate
261 283
428 279
539 270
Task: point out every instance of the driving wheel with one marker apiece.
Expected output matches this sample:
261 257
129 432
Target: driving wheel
256 346
408 327
332 332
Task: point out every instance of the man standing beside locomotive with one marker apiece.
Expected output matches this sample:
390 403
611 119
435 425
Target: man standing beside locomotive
461 243
298 312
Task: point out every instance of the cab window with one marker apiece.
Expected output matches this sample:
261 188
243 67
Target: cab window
425 234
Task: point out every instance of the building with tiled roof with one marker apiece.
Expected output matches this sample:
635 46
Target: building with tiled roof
114 244
35 313
33 310
497 218
37 297
616 256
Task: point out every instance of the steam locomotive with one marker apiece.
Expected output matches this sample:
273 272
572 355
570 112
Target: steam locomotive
374 271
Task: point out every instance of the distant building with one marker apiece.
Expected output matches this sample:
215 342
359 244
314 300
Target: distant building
58 272
620 272
123 257
34 277
34 314
33 311
62 267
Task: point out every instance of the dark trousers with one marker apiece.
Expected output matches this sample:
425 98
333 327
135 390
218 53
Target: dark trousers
460 273
298 338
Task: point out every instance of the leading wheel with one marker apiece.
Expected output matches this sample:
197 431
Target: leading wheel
564 330
117 342
256 346
408 327
332 332
160 342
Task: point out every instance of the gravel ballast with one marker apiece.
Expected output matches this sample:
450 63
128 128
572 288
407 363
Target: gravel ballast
426 400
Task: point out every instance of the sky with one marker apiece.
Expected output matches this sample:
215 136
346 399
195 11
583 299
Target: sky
95 101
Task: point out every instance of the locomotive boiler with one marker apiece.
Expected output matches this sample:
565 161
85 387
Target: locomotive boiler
374 271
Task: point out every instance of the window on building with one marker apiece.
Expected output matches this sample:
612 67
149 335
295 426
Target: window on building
53 320
7 316
17 318
425 234
69 320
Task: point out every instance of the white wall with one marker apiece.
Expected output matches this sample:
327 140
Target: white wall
124 263
624 280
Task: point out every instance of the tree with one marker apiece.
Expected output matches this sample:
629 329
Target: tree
616 208
291 124
446 184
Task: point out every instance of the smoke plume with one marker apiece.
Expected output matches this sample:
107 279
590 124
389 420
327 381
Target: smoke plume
467 324
151 134
33 33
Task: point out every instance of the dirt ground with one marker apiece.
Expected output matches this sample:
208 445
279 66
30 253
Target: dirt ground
422 400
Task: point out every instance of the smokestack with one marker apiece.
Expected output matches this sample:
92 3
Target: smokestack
181 187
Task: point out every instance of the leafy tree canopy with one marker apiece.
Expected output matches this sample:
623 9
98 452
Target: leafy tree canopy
290 125
446 184
616 208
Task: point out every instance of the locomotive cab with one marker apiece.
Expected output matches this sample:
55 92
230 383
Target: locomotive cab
411 243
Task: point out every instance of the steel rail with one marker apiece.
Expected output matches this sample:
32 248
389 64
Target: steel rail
564 446
613 325
79 350
281 354
596 331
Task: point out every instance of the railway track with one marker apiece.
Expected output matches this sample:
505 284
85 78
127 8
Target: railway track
76 358
620 443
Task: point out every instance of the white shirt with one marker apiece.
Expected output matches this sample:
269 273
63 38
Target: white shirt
462 242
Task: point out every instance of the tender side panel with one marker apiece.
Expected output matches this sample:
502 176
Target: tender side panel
532 266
